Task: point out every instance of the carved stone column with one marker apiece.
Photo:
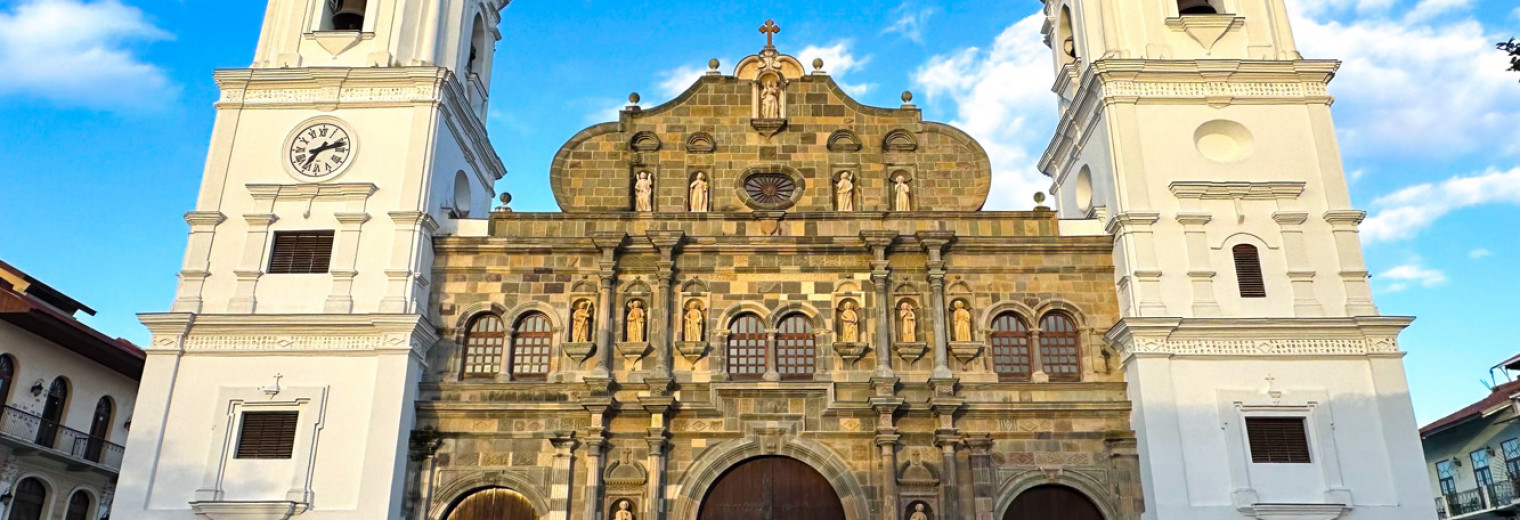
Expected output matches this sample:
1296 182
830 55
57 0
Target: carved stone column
667 307
655 509
771 373
9 472
595 446
1037 372
983 481
878 241
1354 275
560 474
423 446
107 495
934 243
608 243
887 440
950 494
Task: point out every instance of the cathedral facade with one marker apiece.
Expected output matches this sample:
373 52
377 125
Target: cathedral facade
765 300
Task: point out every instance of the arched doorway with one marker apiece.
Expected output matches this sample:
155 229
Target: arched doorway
1052 503
771 488
29 501
493 504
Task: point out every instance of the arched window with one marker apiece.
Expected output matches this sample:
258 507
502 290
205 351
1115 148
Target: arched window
1010 348
52 412
1188 7
796 354
1060 356
483 345
100 428
29 500
747 343
531 340
79 506
1248 272
7 377
344 15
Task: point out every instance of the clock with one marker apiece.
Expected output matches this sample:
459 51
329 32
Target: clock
319 149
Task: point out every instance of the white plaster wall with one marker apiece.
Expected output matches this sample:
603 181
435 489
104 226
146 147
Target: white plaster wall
1139 29
1459 442
395 33
40 359
1183 444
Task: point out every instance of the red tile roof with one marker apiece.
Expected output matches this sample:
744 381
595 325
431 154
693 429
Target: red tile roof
44 320
1500 395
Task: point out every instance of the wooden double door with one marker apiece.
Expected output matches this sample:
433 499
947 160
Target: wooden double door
771 488
493 504
1052 503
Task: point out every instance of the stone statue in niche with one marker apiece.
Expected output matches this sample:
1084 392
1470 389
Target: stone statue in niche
580 322
962 319
849 323
918 512
909 319
694 319
770 99
622 511
699 194
635 324
901 195
643 192
844 192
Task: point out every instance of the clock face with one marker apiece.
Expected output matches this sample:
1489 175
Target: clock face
320 150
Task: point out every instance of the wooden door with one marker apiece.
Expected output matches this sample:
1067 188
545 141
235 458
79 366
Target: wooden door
1052 503
493 504
771 488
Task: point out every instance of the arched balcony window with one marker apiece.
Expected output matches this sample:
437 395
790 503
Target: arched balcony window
483 346
7 377
52 412
1060 348
1010 348
531 343
747 346
100 429
79 506
796 353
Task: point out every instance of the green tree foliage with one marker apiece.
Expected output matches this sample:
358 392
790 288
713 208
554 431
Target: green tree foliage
1513 48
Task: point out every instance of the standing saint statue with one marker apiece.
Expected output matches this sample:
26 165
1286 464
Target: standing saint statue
770 100
844 192
624 514
849 323
909 320
962 320
580 323
694 319
635 324
901 195
643 193
918 512
699 194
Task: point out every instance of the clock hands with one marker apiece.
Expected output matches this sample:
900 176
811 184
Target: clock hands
325 147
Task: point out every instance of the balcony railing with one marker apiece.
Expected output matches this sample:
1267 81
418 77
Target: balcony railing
28 428
1499 495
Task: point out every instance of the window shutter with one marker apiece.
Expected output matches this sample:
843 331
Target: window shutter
267 435
1248 272
301 252
1277 440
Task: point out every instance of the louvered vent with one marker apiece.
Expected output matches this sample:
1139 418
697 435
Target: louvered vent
267 435
1276 440
301 252
1248 272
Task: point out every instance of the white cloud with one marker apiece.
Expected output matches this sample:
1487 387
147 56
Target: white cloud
1404 213
998 104
838 61
1412 273
679 79
910 22
77 52
1479 254
1445 79
601 110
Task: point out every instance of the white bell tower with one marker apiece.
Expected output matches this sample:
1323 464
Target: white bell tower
1264 382
282 379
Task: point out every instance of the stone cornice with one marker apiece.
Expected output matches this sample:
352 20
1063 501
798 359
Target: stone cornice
1217 190
285 333
1257 337
279 191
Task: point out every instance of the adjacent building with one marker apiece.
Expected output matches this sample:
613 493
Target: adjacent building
1473 454
68 392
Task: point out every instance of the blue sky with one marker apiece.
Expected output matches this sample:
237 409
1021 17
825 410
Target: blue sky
105 115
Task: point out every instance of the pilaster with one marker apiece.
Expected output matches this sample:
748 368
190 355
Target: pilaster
251 266
197 266
934 243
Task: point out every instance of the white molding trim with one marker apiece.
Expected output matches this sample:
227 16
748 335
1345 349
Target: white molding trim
1257 337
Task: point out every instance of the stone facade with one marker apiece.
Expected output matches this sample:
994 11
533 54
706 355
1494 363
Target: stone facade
655 420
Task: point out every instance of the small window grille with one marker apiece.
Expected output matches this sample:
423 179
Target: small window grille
747 343
1010 348
530 347
1060 356
301 252
267 435
1278 440
483 346
1248 272
796 353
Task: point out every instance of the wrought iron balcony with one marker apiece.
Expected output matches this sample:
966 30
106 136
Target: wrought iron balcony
1497 500
26 431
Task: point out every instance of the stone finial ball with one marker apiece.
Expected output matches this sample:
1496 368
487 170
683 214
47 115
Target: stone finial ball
817 63
634 98
1039 197
907 96
713 64
506 198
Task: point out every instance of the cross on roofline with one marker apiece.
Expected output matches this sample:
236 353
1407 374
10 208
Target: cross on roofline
770 29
